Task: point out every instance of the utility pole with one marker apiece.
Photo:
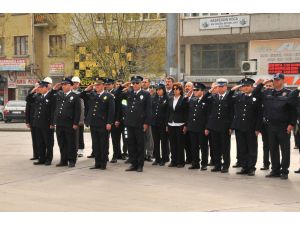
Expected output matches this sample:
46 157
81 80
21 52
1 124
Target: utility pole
172 45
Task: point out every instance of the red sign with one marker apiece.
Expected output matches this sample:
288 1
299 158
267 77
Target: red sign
285 68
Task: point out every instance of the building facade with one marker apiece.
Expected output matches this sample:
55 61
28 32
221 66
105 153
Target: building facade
214 45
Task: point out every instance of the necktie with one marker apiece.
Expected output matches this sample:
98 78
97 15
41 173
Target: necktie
221 97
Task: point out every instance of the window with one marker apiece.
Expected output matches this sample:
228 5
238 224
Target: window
21 45
218 59
57 44
1 46
182 58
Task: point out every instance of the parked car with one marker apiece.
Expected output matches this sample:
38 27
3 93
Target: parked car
1 112
14 109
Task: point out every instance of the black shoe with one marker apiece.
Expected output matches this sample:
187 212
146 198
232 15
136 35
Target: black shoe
203 168
94 167
284 176
113 160
264 168
237 165
155 163
242 172
194 167
188 162
71 164
61 164
34 158
139 169
272 174
131 168
224 170
47 163
91 156
180 165
123 157
127 161
102 167
148 159
297 171
216 169
251 173
80 155
38 163
172 165
162 163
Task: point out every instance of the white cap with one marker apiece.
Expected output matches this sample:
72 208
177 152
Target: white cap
221 82
48 79
76 79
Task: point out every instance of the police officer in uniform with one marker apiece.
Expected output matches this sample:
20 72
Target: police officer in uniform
196 123
80 137
160 104
116 131
66 117
247 122
280 112
218 124
137 120
44 122
29 112
100 119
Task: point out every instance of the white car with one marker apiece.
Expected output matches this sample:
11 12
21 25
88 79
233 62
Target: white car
14 109
1 112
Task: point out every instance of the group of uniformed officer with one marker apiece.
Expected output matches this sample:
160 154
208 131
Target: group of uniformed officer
156 120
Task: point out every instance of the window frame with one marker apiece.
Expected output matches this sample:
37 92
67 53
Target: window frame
55 50
18 51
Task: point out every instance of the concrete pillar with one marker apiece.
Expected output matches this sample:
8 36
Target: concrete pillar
172 45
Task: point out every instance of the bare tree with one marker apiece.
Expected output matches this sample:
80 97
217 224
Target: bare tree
120 43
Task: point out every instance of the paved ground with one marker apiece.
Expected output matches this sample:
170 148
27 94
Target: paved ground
25 187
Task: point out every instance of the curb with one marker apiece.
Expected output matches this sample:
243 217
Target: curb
24 130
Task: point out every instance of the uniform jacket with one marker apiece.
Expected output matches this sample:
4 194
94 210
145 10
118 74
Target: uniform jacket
197 116
101 109
220 112
159 110
67 112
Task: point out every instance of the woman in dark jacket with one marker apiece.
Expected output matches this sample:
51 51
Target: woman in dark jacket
160 103
177 117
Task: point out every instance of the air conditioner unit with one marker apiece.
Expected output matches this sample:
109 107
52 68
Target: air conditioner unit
249 67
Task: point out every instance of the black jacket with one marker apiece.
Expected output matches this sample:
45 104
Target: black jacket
221 112
247 112
197 116
67 112
101 110
30 108
179 115
159 110
138 109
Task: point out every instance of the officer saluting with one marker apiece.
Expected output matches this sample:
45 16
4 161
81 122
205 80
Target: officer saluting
137 120
247 123
281 114
66 117
196 125
100 118
218 124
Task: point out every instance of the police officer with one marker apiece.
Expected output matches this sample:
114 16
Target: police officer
247 122
115 130
264 134
281 115
66 117
169 86
137 120
44 123
160 103
188 89
80 137
196 123
29 112
100 119
218 124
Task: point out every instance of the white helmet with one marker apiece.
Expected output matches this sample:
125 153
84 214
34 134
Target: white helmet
76 79
48 79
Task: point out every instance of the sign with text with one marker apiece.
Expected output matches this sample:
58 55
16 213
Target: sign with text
222 22
12 64
26 81
285 68
57 69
